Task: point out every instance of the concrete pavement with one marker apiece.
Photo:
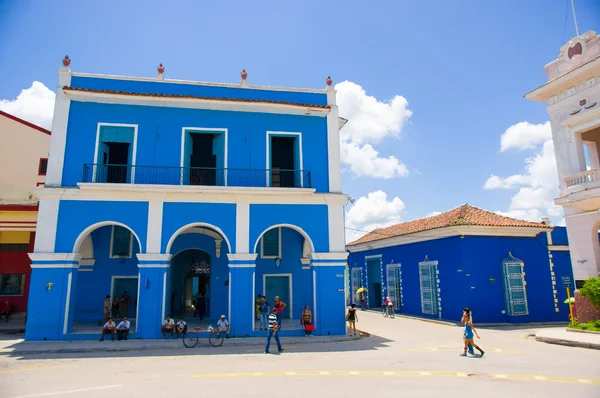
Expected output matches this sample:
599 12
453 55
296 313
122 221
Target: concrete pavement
572 338
403 357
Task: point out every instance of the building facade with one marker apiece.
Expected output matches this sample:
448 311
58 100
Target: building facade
572 96
169 190
23 163
504 270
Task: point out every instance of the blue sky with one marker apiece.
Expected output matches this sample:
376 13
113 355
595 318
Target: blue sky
461 66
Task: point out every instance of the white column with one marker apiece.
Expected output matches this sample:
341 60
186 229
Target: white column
592 149
45 236
333 143
242 228
336 227
154 235
582 230
579 161
60 120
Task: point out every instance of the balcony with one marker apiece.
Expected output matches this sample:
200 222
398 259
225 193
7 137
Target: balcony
588 177
200 176
582 191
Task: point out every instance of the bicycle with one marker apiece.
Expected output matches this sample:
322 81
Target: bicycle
191 339
387 310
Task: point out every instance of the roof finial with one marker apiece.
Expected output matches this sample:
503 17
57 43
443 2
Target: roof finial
329 81
244 76
161 69
66 61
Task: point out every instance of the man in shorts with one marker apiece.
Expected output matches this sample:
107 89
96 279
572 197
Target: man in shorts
223 326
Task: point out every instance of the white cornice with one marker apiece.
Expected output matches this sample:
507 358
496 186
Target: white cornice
196 83
568 79
440 233
328 256
54 256
154 257
195 103
190 194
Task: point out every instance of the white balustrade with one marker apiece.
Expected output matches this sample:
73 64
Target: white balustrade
582 178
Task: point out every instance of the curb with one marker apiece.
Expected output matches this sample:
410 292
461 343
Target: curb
243 342
445 323
569 343
592 332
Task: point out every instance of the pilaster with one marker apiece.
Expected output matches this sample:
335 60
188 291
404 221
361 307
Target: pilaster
60 120
328 290
154 283
241 292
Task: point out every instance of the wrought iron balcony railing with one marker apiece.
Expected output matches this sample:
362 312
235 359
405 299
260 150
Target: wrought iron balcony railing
165 175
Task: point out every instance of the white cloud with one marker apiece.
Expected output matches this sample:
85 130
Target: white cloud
434 213
371 212
538 185
369 122
34 104
525 135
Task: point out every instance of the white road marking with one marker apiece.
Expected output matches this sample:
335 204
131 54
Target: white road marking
540 378
69 391
388 373
290 373
258 374
425 374
323 373
500 376
583 381
354 373
461 375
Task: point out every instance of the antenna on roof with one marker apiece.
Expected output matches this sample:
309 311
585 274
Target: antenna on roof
575 17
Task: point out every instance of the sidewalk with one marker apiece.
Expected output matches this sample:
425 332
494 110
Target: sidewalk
573 339
18 347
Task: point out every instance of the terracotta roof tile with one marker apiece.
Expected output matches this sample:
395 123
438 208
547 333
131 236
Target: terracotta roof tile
89 90
463 215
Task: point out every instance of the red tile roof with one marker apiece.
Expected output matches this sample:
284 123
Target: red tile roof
229 99
464 215
26 123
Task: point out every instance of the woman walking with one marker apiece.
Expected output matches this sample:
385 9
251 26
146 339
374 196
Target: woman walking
352 318
469 331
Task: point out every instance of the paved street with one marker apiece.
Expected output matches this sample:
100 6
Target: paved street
404 356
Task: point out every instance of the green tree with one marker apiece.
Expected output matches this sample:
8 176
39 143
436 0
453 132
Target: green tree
591 290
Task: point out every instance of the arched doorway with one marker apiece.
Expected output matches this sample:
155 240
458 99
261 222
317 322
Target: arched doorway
190 283
199 268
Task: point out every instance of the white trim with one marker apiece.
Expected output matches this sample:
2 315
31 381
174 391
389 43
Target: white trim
93 227
193 225
334 150
439 233
68 303
250 257
222 130
242 265
290 304
342 256
189 194
165 258
278 241
294 227
300 153
60 125
196 83
253 304
242 227
112 236
85 269
194 103
164 298
87 262
74 266
134 150
558 247
331 264
47 223
373 256
154 265
315 298
229 301
137 305
336 224
55 257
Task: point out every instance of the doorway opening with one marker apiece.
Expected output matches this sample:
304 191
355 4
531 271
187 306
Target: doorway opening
374 279
280 286
115 154
284 161
190 284
204 158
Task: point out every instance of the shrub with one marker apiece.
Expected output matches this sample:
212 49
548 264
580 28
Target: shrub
591 290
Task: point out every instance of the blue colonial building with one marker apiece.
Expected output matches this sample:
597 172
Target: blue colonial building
505 270
169 190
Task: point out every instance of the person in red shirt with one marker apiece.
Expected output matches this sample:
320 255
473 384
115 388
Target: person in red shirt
5 309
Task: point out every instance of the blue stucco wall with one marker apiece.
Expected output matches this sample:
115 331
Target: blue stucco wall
160 131
470 273
178 215
93 286
559 236
313 219
74 216
291 252
197 90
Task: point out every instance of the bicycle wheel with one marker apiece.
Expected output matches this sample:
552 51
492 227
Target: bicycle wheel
392 314
384 312
215 339
190 340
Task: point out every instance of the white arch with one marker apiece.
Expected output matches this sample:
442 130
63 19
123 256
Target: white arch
294 227
196 224
93 227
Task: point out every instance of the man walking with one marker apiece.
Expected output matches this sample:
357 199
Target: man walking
273 326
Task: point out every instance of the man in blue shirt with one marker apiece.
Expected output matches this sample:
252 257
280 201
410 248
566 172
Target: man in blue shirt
264 313
273 326
123 329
